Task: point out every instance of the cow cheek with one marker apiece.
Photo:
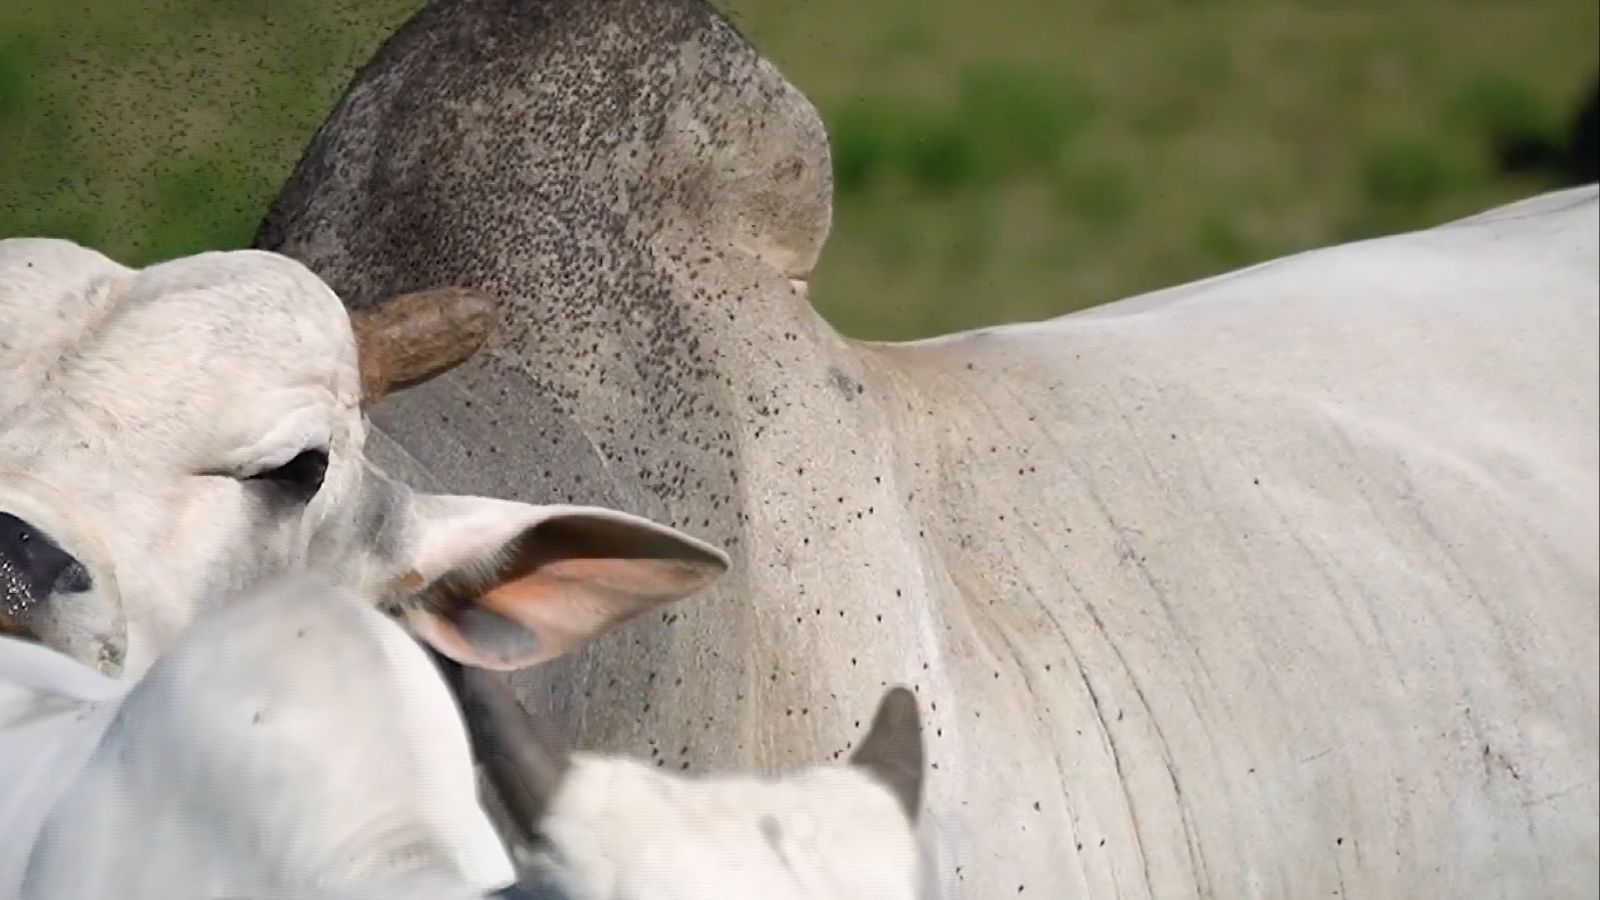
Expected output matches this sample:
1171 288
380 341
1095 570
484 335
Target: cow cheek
211 547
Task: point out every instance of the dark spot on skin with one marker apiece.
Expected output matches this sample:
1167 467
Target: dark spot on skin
534 152
848 387
772 833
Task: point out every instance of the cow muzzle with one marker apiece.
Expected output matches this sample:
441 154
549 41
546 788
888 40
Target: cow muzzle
57 584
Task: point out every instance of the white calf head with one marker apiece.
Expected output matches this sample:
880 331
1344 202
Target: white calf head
185 430
292 739
609 828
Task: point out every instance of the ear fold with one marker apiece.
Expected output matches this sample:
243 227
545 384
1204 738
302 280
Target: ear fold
504 585
892 750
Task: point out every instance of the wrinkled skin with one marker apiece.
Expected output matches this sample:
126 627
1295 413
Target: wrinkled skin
1278 584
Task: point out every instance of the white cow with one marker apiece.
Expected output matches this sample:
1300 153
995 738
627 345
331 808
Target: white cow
182 431
1283 583
296 743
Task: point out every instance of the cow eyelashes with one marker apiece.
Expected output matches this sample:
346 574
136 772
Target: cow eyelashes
301 475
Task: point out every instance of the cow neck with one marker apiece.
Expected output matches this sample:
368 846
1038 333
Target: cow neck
668 399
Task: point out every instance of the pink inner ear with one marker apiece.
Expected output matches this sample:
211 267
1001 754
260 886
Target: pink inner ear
567 582
567 603
442 635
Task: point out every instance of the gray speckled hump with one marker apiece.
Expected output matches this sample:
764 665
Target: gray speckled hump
617 171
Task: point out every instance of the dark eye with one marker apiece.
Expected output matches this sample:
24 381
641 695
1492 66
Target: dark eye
302 475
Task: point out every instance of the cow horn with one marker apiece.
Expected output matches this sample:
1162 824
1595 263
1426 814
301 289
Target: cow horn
411 338
892 750
525 765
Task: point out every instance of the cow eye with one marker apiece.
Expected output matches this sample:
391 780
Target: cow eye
302 475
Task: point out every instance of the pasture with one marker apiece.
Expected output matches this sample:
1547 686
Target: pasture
996 161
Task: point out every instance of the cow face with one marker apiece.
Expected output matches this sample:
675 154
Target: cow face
186 430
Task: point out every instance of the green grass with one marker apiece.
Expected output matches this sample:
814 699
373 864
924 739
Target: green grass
1003 160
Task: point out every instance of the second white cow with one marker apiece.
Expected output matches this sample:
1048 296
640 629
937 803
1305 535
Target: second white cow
295 743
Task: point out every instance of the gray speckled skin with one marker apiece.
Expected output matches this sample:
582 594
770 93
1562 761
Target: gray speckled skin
1280 584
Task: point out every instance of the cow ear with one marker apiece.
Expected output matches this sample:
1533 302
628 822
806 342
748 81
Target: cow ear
892 750
504 585
524 762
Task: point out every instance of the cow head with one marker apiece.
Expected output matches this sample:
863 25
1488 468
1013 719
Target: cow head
327 750
183 431
607 826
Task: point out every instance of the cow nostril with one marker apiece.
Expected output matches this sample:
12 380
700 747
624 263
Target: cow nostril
38 565
74 579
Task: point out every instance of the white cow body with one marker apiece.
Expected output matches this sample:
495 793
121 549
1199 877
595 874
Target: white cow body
1302 592
1279 584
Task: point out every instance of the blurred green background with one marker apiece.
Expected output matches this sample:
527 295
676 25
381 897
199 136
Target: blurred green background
996 160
